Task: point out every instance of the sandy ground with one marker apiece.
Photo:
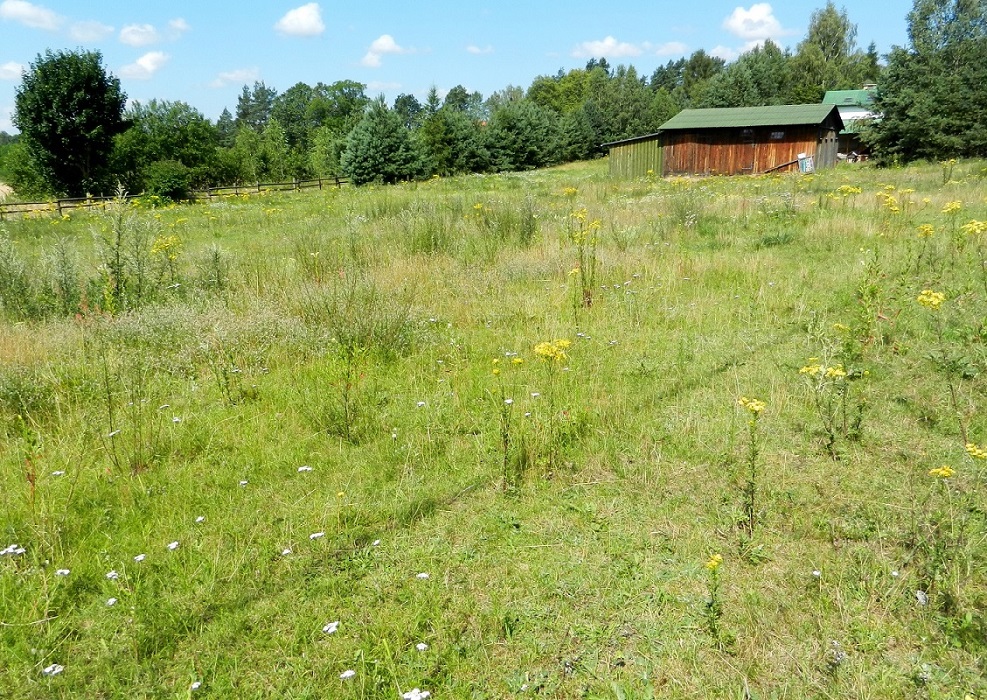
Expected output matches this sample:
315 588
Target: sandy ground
5 190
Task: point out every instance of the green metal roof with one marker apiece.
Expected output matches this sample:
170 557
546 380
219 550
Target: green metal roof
849 98
727 117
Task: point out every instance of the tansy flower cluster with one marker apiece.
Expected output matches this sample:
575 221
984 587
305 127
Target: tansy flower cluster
714 562
952 207
755 406
943 472
553 350
930 299
926 230
976 451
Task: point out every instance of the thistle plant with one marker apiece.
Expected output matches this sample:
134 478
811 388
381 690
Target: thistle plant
754 408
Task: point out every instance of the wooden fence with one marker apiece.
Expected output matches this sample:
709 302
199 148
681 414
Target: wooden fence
63 206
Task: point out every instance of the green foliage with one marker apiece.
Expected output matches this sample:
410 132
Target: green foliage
521 136
933 93
68 110
20 172
169 179
253 107
453 143
380 149
165 131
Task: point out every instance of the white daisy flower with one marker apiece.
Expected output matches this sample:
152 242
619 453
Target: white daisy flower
173 545
331 627
421 646
113 575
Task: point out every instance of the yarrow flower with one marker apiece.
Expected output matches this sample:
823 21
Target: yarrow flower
416 694
421 646
348 673
113 575
930 299
943 472
53 670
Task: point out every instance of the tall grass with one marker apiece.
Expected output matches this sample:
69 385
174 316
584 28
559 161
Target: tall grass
271 413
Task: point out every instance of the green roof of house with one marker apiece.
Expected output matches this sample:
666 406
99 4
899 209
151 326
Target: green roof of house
731 117
849 98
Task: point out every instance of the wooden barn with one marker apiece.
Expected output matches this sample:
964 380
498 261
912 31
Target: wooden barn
732 141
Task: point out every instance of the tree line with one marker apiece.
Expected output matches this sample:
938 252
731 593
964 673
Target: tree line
931 94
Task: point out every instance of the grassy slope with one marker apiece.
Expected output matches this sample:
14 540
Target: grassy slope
589 579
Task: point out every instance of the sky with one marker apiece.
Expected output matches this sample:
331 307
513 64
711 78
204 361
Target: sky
203 53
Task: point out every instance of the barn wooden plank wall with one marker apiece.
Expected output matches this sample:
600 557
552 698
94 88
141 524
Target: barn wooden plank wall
636 159
745 151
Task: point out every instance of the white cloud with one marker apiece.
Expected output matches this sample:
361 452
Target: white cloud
145 66
90 31
240 76
302 21
756 24
477 51
672 48
724 52
608 47
378 86
179 25
139 35
11 70
33 16
382 46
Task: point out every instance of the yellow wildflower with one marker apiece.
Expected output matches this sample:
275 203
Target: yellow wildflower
755 406
943 472
811 370
976 451
952 207
836 372
926 230
714 562
930 299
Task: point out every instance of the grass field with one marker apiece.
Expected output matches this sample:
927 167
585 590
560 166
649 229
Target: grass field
533 435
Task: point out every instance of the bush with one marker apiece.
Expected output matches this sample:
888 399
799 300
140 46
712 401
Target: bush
169 179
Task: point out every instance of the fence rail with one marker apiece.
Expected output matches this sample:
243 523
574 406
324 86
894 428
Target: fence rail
62 206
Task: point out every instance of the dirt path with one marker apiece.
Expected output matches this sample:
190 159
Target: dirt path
5 191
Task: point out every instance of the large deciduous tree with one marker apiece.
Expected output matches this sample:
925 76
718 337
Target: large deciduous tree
933 95
69 110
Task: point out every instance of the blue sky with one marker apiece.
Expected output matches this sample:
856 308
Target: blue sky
202 53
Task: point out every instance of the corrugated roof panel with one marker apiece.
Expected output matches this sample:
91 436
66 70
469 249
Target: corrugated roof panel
727 117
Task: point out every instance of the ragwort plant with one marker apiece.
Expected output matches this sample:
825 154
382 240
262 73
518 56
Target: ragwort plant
754 408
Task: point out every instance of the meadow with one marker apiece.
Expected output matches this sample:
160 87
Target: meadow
545 434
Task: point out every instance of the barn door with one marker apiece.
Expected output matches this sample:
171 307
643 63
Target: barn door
745 152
